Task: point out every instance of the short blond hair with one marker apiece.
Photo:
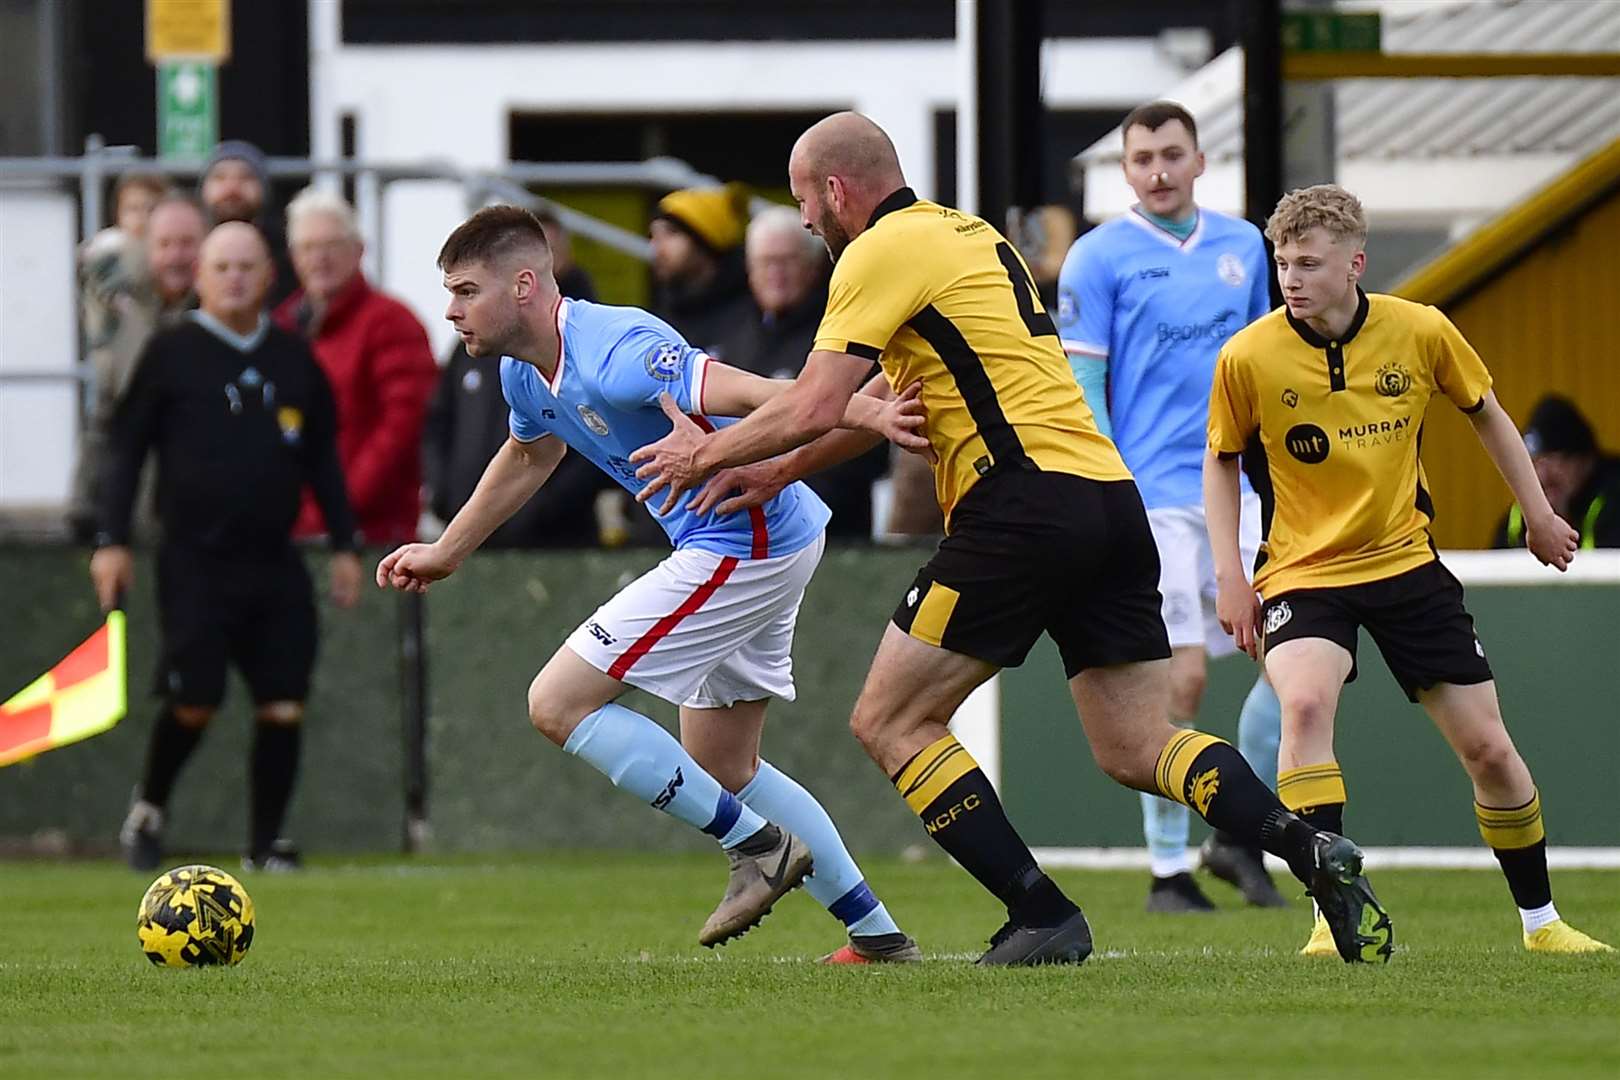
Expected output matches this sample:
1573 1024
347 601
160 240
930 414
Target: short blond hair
1328 207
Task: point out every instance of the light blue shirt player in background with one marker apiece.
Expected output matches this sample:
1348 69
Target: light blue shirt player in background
709 629
1144 304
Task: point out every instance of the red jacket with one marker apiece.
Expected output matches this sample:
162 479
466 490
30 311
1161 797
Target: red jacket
377 358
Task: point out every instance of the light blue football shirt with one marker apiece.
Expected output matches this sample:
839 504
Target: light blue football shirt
603 402
1157 310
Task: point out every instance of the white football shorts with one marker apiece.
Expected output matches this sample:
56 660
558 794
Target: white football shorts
702 629
1187 572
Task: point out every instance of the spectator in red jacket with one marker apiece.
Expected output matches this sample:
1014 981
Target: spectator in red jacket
377 358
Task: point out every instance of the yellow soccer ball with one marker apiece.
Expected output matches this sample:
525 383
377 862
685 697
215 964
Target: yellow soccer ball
194 916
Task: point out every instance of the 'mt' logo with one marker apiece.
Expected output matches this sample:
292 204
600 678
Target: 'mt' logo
1308 443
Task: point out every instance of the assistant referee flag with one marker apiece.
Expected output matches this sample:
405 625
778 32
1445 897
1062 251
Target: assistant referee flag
82 696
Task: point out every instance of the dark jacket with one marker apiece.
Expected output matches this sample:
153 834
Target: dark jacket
1594 512
777 348
708 315
467 422
238 434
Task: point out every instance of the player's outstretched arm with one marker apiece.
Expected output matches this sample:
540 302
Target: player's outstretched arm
513 475
1549 537
805 411
729 391
1235 603
744 486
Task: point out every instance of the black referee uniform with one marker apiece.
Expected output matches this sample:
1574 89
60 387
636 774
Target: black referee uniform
240 424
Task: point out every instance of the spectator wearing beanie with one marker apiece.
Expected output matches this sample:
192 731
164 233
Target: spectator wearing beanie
235 186
697 263
1582 483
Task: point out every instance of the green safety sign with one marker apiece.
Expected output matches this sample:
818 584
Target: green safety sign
188 109
1331 31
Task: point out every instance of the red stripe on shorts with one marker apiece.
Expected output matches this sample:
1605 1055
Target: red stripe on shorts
663 626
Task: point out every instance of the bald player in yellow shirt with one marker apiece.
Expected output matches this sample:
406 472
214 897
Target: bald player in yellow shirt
1335 384
1045 533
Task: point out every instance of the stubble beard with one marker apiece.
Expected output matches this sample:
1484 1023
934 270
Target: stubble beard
832 234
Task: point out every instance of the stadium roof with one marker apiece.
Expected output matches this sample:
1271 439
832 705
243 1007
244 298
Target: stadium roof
1422 150
1491 247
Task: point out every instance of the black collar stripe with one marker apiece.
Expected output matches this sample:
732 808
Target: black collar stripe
896 200
1333 348
1308 334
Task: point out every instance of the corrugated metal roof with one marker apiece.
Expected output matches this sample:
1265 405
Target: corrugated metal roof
1404 119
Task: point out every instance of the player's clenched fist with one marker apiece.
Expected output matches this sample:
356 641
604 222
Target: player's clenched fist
1552 540
413 567
1238 609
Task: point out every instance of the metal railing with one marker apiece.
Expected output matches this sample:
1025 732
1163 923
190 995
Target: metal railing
100 163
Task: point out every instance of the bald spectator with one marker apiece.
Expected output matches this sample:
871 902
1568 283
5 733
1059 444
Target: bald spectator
240 419
378 360
132 307
235 186
697 264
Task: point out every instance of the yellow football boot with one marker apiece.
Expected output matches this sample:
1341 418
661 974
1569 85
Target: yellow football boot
1321 943
1560 937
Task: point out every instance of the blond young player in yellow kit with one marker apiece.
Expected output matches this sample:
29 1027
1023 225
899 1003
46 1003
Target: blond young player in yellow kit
1045 533
1335 384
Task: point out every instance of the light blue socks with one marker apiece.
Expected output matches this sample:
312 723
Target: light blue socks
1260 731
647 761
836 882
1166 826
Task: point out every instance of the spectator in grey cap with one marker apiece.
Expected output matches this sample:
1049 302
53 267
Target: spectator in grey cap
235 186
1581 482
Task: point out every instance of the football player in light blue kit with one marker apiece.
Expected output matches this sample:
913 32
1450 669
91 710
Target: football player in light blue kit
1144 304
710 628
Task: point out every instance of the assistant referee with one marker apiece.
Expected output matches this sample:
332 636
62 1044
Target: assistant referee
241 418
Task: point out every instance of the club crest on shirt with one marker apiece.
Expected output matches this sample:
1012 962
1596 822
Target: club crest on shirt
1290 397
472 380
1068 306
664 363
291 420
1392 380
1229 268
592 419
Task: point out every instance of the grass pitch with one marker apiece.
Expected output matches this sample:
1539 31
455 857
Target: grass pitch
587 966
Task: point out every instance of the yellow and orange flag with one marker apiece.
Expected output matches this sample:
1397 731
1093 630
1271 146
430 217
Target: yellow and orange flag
82 696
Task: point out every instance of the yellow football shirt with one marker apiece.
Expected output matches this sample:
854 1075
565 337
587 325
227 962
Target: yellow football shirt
937 295
1340 422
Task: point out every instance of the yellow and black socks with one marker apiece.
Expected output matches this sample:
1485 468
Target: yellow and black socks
1518 839
1209 775
1316 793
945 787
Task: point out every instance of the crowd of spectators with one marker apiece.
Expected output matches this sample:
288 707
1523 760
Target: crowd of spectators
414 435
748 286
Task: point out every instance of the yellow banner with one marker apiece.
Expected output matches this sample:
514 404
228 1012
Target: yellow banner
188 30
